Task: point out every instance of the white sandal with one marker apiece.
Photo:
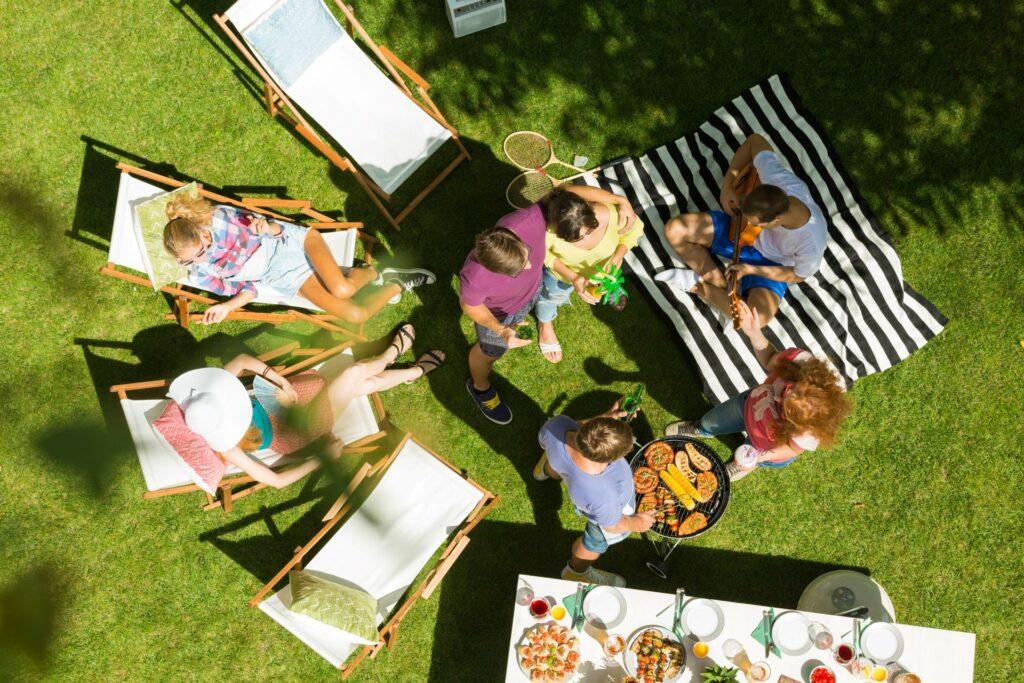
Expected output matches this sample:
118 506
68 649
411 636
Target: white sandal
550 348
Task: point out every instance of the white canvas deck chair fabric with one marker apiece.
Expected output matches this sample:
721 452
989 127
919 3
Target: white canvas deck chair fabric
310 63
166 473
127 251
857 309
382 545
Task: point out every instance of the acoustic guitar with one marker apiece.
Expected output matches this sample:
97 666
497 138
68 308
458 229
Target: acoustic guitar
742 234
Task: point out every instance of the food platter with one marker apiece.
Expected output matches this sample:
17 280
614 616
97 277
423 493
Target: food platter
675 651
685 509
553 650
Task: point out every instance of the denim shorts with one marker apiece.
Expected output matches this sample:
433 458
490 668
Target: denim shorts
493 344
721 245
288 267
597 540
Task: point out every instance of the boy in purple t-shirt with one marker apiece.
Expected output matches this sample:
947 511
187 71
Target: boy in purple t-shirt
589 457
498 286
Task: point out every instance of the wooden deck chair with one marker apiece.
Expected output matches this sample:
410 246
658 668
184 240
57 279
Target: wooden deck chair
166 473
309 63
127 254
382 545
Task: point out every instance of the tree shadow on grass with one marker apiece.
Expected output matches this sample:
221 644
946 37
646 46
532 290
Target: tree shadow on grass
32 605
480 612
922 111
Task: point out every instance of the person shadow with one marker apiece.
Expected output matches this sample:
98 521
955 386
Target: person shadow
668 372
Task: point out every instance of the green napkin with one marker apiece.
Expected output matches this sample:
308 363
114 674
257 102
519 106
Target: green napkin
569 603
759 635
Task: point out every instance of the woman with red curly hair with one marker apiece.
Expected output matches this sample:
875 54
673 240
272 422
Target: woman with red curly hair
800 406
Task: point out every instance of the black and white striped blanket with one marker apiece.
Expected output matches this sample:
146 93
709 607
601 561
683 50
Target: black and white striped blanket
857 310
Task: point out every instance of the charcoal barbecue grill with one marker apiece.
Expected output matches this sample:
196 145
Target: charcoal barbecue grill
663 540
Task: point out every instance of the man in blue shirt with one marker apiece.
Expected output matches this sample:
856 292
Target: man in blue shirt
589 456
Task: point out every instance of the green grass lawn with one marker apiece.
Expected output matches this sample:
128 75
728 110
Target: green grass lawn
922 101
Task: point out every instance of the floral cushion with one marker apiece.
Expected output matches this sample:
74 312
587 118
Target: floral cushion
206 465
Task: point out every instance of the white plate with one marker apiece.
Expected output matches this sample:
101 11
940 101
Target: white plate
881 642
702 618
604 607
629 659
789 633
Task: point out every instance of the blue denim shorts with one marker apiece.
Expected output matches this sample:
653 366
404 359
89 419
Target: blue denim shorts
721 245
493 344
288 267
595 540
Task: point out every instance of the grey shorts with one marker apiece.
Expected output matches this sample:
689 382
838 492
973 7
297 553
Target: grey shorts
493 344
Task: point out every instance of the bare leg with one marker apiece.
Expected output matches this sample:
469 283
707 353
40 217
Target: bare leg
765 302
690 235
327 269
581 557
714 296
480 365
347 309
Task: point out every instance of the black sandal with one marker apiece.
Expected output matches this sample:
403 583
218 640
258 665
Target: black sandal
431 360
408 335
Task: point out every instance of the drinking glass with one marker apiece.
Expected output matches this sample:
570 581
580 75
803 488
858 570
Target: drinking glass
539 608
820 635
524 595
614 644
733 649
843 654
759 671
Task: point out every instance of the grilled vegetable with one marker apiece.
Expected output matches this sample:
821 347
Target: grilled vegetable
677 488
689 488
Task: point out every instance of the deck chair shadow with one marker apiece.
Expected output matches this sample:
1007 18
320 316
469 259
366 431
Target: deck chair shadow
308 62
380 540
127 254
165 473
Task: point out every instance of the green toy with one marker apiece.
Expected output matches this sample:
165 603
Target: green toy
607 285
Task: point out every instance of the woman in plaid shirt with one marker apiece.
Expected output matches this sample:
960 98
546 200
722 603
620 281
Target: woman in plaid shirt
239 254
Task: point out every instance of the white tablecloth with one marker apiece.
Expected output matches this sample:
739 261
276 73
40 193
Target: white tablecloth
936 656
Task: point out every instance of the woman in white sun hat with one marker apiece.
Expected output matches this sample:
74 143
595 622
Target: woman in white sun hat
216 406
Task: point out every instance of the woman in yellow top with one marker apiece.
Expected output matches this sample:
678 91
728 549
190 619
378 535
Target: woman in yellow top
588 229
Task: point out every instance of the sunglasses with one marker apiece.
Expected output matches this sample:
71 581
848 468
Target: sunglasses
198 255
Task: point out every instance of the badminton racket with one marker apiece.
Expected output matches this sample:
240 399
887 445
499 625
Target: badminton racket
532 151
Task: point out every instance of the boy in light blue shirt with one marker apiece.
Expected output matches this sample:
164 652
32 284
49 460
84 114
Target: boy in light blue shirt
589 456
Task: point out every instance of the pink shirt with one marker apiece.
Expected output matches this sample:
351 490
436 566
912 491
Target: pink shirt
504 294
763 408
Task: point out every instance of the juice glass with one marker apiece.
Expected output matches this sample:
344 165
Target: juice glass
614 644
759 672
539 608
733 649
843 654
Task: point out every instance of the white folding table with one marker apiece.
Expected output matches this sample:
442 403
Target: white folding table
935 655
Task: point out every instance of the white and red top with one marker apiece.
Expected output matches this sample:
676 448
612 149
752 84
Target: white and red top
763 408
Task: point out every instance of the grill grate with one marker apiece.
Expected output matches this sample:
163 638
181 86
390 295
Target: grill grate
713 509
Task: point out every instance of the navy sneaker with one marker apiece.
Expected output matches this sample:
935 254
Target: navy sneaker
490 404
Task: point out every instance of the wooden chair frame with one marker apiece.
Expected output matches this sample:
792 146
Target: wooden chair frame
237 486
185 296
388 633
278 103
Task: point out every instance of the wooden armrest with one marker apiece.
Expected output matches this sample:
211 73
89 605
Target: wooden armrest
405 68
353 484
306 352
268 202
443 568
336 225
280 351
152 384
